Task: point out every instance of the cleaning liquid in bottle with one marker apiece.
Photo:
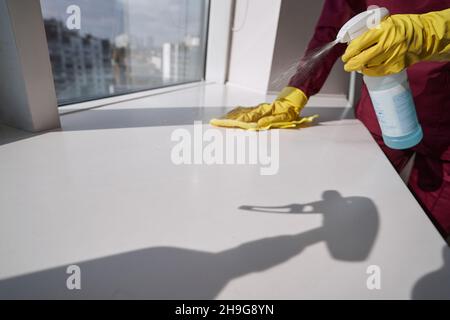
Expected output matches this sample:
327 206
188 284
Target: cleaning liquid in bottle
391 95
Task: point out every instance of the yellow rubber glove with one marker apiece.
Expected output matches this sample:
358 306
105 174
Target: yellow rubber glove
400 41
283 113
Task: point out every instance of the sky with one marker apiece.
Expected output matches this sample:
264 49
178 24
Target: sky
161 20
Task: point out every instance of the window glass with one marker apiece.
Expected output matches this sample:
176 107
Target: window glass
103 48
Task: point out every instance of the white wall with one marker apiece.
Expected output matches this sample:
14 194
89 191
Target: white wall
219 39
13 101
298 19
275 36
27 94
253 43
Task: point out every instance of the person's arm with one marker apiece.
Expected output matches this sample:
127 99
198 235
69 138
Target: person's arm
335 14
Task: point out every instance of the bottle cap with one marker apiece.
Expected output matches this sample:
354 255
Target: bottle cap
361 23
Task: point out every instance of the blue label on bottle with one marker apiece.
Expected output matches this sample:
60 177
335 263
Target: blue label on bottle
395 110
406 110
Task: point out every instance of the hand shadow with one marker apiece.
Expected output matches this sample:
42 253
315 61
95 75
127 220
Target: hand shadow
350 224
349 229
159 272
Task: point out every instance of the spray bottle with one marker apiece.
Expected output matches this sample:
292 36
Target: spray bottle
391 95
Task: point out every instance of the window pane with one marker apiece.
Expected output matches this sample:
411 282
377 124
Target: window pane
120 46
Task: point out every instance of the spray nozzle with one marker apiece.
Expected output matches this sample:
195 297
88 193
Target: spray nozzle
361 23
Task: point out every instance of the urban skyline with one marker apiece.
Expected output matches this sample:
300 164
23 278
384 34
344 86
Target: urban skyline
86 65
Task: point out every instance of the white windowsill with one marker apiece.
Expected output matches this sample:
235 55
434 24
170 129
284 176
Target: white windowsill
320 100
76 107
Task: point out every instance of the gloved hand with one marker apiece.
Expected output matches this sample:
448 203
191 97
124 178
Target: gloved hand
283 113
400 41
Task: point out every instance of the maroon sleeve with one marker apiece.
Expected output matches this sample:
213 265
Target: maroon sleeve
335 14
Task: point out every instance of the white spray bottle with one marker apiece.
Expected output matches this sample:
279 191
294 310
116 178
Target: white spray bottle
391 95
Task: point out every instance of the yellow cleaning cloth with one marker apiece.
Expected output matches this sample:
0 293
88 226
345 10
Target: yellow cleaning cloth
283 113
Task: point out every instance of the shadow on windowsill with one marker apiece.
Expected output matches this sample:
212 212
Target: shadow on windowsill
100 119
350 224
350 228
10 135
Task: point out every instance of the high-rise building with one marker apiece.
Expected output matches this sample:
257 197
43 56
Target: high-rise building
81 64
180 60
